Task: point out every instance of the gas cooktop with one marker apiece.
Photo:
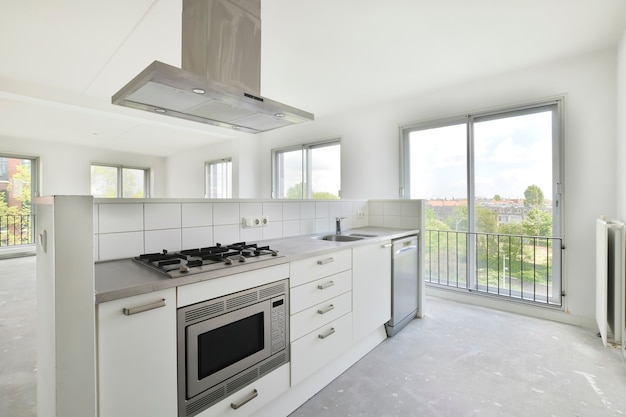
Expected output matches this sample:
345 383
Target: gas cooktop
194 261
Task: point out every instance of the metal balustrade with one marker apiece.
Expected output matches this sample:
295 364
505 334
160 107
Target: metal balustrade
517 267
16 230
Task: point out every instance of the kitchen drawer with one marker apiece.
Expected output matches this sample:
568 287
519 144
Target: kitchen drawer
310 269
318 348
213 288
315 292
320 315
267 389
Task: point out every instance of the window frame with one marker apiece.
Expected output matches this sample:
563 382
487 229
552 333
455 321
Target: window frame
556 105
307 192
558 167
207 181
120 178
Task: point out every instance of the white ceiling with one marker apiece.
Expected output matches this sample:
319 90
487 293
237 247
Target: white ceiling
62 60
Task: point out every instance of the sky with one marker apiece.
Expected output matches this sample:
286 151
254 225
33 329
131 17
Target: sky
510 154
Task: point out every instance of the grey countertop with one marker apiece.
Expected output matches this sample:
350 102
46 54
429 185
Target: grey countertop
124 278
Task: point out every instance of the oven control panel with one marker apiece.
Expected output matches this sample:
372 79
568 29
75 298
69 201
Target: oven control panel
279 315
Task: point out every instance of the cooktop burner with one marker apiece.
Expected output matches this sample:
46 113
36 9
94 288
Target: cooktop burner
190 261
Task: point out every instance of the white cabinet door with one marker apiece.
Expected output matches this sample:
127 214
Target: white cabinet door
371 287
316 349
315 267
137 356
252 398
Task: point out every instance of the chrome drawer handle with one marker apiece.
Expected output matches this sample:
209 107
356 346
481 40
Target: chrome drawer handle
325 261
326 285
140 309
245 400
326 309
328 333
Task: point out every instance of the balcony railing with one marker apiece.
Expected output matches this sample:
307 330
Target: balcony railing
15 230
521 268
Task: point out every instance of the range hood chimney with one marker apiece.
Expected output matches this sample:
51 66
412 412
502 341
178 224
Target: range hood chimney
220 79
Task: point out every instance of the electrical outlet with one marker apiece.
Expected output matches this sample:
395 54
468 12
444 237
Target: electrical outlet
264 221
360 215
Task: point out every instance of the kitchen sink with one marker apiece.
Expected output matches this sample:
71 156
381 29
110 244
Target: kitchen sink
340 238
362 235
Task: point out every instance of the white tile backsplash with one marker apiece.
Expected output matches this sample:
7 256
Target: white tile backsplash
321 210
273 211
197 237
250 209
113 218
161 216
307 210
251 235
226 233
197 214
226 213
307 226
322 225
376 208
291 227
334 210
120 230
291 211
410 208
120 245
157 240
273 230
391 208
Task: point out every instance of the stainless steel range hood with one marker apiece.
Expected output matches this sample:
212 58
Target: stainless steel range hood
220 80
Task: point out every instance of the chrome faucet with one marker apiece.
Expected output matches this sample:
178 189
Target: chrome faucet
338 224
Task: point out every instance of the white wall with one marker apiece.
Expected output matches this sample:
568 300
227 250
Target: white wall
370 147
186 170
65 169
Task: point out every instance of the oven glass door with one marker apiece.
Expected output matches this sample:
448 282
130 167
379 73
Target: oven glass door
220 347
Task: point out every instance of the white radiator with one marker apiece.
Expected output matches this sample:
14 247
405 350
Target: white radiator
610 277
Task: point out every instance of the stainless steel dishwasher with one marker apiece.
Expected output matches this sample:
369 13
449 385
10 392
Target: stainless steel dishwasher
404 280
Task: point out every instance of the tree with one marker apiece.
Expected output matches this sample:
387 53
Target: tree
486 221
497 197
533 196
538 223
296 192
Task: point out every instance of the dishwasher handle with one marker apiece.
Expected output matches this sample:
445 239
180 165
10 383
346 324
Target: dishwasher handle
404 250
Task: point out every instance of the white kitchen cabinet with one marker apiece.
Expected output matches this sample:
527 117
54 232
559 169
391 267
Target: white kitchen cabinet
315 267
319 347
137 356
321 319
319 315
371 287
253 397
322 289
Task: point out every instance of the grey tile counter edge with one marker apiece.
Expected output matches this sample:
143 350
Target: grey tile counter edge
109 285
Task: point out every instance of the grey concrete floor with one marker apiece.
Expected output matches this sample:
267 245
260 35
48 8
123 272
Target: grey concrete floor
18 324
463 360
459 361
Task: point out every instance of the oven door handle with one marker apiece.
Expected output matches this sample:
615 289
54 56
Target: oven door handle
245 400
140 309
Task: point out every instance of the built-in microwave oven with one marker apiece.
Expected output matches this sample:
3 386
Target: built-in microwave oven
228 342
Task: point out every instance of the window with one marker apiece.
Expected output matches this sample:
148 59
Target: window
4 169
310 171
219 178
18 187
116 181
471 168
